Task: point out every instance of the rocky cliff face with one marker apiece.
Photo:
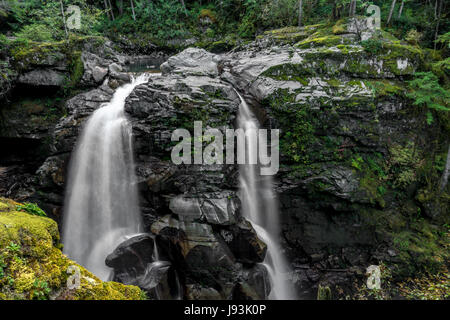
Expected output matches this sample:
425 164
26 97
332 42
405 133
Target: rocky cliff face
356 162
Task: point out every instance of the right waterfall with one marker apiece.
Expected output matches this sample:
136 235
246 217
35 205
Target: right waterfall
260 207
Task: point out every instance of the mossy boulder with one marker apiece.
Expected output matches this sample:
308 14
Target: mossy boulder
32 265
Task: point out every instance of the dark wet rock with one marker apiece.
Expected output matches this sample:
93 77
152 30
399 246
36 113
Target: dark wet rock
39 78
255 284
244 243
135 253
207 258
198 292
137 261
215 208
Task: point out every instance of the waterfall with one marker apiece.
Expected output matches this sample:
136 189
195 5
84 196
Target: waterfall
101 205
260 207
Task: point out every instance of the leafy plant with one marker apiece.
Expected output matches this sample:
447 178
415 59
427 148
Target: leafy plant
372 46
357 163
40 290
13 247
34 32
426 91
31 208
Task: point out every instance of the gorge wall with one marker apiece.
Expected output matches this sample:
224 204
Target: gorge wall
356 159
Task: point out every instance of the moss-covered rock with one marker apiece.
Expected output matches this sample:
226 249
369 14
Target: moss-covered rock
32 265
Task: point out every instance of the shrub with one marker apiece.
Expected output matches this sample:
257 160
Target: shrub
34 32
413 37
372 46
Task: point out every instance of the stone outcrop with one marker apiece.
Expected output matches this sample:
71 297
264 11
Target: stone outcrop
32 265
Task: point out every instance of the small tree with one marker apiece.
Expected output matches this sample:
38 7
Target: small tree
391 11
426 91
300 12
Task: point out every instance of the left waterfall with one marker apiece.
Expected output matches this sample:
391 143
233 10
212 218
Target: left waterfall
101 204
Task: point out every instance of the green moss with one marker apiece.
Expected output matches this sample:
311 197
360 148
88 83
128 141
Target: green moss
345 48
334 82
291 29
32 267
76 69
288 34
290 71
339 27
324 293
394 52
207 13
297 123
404 163
37 53
320 41
386 88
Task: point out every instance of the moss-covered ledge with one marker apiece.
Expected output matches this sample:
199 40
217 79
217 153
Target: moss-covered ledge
32 265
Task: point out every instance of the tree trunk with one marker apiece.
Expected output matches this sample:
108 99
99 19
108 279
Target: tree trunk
446 173
435 9
352 9
184 7
120 6
437 23
111 8
300 12
64 17
132 10
391 11
107 9
401 9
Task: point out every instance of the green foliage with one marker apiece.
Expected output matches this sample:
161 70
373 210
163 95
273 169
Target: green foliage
324 293
31 208
161 19
413 37
34 32
403 164
427 287
13 247
40 290
36 20
296 118
357 163
426 91
372 46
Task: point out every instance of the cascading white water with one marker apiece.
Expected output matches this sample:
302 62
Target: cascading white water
101 205
260 207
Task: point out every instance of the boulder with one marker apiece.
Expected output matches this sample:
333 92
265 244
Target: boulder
192 61
99 73
135 253
219 208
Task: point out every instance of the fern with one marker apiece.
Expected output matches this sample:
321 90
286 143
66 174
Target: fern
426 91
